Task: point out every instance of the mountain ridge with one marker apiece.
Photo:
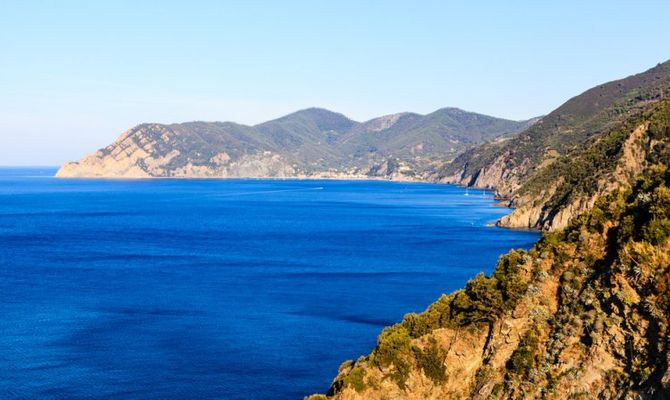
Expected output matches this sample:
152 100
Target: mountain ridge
519 170
312 142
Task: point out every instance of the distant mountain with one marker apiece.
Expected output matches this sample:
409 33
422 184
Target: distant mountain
543 170
308 143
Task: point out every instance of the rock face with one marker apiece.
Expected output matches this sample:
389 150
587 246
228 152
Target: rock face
308 143
531 172
584 314
540 209
137 154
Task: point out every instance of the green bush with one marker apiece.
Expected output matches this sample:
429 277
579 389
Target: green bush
486 298
431 361
525 358
436 316
481 301
401 374
354 379
393 342
510 281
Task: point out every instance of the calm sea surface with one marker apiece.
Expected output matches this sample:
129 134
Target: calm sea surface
214 289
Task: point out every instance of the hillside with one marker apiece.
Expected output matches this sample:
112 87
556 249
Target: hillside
536 170
308 143
584 314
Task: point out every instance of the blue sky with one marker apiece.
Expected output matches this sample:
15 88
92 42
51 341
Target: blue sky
75 74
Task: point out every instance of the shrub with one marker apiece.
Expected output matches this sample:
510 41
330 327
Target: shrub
525 358
485 298
400 374
481 301
510 281
391 343
354 379
436 316
431 361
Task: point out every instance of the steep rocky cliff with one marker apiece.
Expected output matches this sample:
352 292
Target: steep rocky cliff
584 314
551 197
308 143
534 169
154 150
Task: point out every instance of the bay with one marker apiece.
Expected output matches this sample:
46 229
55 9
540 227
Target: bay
220 289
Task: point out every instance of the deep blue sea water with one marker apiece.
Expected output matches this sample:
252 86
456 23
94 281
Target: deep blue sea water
219 289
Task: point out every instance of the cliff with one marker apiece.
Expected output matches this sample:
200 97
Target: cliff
553 196
532 171
154 150
583 314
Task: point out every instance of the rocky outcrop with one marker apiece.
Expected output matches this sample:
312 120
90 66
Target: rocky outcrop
383 123
497 175
540 210
584 314
523 170
147 152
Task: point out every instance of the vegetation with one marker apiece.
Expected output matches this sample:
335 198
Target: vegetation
526 357
486 298
436 316
567 131
393 342
483 300
355 379
594 298
581 171
309 141
612 270
431 361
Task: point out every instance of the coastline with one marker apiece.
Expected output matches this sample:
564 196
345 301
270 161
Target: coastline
500 201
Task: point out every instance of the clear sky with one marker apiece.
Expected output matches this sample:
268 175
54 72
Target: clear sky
75 74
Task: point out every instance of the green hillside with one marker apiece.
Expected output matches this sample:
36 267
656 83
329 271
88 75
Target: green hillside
557 168
305 143
567 128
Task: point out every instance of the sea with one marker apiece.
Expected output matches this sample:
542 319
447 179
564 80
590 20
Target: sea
220 289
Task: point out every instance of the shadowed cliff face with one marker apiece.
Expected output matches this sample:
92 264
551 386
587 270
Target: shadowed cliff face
308 143
603 126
